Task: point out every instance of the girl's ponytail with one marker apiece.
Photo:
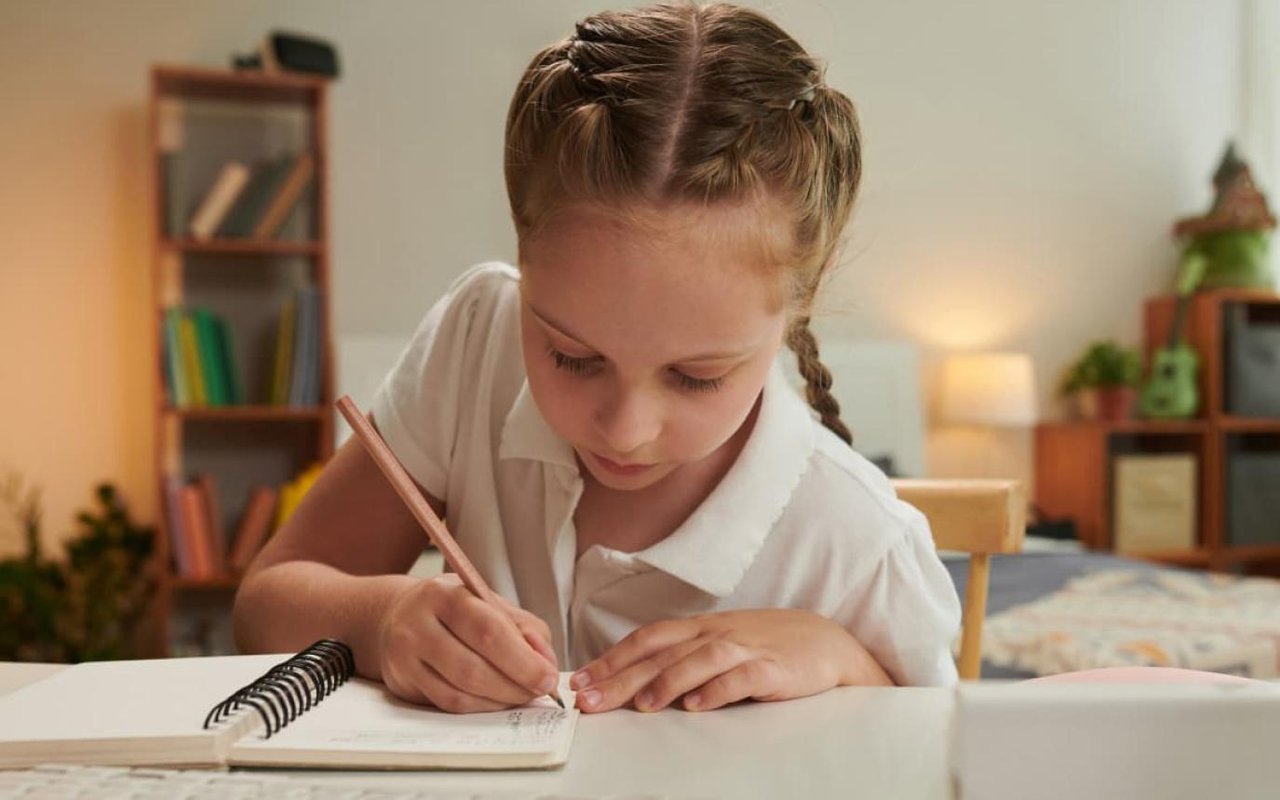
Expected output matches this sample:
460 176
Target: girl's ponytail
817 378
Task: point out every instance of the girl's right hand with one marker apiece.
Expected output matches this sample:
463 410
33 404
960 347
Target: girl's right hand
441 645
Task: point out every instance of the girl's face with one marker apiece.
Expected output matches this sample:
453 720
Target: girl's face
646 345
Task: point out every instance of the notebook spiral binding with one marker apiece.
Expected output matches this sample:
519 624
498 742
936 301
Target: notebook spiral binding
291 687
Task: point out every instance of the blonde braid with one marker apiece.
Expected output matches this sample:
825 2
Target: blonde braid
817 378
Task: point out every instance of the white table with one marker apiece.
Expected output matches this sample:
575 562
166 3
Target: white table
855 742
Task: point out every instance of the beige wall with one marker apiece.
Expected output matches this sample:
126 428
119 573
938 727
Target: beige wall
1023 162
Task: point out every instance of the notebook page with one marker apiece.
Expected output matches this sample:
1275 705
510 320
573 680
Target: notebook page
126 712
363 725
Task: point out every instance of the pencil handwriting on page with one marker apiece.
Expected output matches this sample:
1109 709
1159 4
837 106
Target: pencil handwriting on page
518 729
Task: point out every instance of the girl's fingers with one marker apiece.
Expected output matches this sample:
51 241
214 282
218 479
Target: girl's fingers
713 658
640 644
467 671
756 679
444 695
621 688
490 633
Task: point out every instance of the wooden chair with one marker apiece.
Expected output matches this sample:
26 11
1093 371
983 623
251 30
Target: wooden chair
979 517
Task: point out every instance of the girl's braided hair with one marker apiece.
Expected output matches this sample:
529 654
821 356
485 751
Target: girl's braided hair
683 103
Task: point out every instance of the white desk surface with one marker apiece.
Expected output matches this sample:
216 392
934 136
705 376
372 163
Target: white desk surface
853 742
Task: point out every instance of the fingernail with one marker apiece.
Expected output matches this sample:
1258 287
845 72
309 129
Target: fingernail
580 680
549 684
692 701
644 700
590 698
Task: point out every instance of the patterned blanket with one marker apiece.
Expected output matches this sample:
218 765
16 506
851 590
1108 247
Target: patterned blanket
1112 618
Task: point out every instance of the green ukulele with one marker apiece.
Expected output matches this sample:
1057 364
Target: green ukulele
1170 392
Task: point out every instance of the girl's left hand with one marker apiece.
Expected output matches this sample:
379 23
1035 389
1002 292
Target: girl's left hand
716 659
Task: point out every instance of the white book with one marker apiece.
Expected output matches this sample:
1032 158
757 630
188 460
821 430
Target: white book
153 713
231 180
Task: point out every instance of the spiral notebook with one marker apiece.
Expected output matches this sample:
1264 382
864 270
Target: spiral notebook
304 710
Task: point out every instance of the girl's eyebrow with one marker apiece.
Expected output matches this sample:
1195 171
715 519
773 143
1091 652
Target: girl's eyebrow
723 356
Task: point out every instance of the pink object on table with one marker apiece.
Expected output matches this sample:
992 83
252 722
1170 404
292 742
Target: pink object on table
1141 675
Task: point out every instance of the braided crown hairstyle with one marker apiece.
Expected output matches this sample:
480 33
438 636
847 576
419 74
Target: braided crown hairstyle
683 103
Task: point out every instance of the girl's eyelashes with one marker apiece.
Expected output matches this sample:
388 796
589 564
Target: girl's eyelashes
692 384
572 364
576 365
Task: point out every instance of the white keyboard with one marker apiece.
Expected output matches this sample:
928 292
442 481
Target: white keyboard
70 781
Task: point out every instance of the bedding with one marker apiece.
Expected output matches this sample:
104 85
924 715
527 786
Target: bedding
1053 612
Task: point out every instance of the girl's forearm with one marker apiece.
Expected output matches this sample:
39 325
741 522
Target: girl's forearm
288 605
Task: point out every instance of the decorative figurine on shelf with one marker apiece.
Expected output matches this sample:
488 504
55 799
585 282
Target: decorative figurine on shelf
1232 236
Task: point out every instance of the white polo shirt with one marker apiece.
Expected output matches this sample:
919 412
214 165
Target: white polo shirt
799 521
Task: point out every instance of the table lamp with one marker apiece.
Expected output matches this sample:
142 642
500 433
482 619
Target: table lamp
989 389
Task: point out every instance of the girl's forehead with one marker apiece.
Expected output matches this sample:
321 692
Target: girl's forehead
752 237
668 282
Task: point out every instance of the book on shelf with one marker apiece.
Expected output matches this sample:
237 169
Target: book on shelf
291 493
197 532
284 353
217 544
286 198
295 376
227 187
264 183
210 367
303 373
229 710
200 368
255 527
226 354
182 563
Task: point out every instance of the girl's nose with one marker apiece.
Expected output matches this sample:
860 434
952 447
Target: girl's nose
628 421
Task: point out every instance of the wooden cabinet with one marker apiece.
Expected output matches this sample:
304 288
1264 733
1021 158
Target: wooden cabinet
225 116
1075 460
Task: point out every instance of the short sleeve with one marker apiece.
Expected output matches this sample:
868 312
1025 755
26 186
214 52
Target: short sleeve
906 613
418 406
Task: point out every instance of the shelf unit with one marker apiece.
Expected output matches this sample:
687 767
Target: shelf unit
245 280
1073 459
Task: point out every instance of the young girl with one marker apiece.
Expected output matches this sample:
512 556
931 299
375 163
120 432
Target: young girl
604 427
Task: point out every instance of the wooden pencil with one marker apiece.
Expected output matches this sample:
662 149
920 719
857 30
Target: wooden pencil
434 526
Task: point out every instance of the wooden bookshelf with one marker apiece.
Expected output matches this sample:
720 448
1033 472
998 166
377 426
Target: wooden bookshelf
1073 459
244 280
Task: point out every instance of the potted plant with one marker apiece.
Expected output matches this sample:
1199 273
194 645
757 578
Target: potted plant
1103 382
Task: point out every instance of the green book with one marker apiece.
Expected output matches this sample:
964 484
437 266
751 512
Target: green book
257 195
180 386
231 378
206 343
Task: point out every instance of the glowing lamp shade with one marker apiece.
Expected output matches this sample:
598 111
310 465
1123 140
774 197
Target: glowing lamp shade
996 389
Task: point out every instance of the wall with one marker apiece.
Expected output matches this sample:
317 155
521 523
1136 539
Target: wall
1023 164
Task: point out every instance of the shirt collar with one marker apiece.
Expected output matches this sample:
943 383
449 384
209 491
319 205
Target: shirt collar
716 545
526 434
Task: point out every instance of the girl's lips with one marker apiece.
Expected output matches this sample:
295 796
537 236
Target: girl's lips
621 469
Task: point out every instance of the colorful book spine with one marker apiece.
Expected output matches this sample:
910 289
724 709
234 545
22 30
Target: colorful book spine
213 515
287 197
235 390
255 527
284 353
180 390
265 182
210 362
191 361
195 524
231 181
177 533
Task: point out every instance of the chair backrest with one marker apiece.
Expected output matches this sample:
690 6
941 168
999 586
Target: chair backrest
979 517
